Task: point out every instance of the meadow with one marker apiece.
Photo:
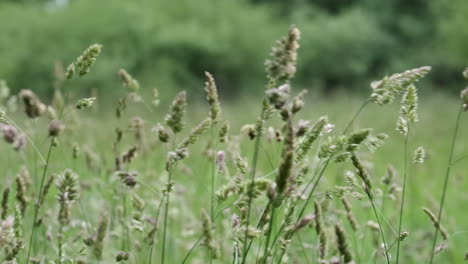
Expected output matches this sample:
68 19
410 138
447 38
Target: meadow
290 177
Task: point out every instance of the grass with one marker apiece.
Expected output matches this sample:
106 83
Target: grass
424 186
263 212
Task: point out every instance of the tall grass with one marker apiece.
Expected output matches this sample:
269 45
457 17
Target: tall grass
284 205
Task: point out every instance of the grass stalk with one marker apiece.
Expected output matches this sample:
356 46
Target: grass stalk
447 176
252 181
166 212
405 165
41 186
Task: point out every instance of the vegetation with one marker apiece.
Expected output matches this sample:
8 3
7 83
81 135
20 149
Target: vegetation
283 190
169 45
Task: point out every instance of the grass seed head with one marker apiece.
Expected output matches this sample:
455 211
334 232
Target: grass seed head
409 104
162 132
212 97
310 137
195 133
436 223
85 103
128 81
385 90
56 127
419 155
283 57
464 98
342 244
223 133
122 256
174 119
5 198
68 192
82 65
33 105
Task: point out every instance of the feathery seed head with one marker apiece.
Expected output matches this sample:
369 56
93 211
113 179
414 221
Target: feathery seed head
249 130
403 235
101 235
409 104
224 132
402 126
5 198
464 97
302 127
278 96
283 57
163 135
174 157
357 137
362 173
68 192
195 133
3 117
220 161
33 105
10 133
174 119
56 127
208 234
419 155
85 103
84 62
128 81
320 230
389 175
436 223
310 137
384 91
287 162
375 142
342 244
298 102
212 97
122 256
241 164
129 178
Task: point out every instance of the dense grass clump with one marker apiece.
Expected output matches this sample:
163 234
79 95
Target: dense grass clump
147 189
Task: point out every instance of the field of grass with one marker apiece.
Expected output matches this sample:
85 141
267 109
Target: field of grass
116 204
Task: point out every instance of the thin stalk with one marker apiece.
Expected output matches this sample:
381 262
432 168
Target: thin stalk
252 181
125 238
36 205
192 249
405 156
166 209
41 186
447 176
380 228
213 173
270 228
154 233
213 177
60 235
364 104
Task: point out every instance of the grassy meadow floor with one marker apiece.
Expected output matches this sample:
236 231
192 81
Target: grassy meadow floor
93 132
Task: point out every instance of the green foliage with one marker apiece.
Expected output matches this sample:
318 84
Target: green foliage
169 45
